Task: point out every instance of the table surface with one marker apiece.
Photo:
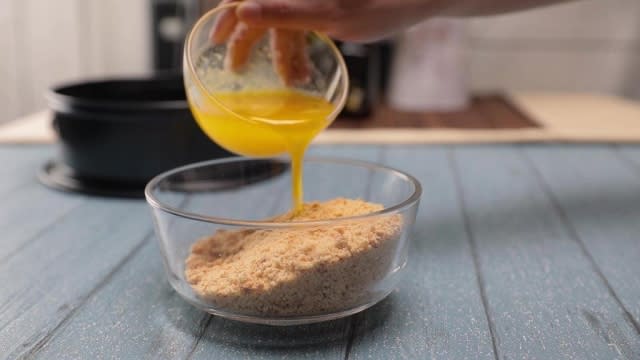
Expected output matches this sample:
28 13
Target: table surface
520 252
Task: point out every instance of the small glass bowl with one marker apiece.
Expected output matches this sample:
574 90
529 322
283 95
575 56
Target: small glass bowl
206 78
237 195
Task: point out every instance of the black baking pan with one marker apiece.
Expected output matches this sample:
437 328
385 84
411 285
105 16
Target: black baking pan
118 134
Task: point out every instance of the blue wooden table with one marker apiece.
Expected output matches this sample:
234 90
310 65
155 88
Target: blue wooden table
520 252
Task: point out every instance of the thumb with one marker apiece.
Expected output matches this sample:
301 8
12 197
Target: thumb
289 14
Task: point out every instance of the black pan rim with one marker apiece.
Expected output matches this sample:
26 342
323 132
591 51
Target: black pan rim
60 102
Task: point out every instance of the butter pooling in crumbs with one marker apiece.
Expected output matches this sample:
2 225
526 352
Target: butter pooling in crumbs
297 271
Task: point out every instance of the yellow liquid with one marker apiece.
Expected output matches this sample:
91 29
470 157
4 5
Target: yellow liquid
271 122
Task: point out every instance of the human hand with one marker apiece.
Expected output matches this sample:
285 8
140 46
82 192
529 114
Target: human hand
367 20
286 23
290 59
348 20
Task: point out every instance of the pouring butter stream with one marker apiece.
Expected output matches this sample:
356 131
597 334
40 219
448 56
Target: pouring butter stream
270 122
253 110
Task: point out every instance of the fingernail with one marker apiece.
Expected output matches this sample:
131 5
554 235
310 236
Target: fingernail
249 10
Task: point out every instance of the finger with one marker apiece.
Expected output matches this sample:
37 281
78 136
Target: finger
300 62
241 43
223 25
288 14
290 58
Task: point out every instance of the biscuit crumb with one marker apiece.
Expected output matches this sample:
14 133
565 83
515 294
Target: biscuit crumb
299 270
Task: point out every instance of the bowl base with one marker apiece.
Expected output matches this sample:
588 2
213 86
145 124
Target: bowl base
286 321
174 281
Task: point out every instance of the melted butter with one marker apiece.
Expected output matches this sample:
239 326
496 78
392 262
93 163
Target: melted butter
270 122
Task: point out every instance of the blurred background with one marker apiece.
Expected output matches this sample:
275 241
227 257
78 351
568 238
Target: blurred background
585 46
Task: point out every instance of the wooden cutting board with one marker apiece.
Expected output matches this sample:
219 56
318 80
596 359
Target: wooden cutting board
519 117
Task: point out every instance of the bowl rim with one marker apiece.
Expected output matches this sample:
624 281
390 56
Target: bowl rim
155 203
188 65
58 101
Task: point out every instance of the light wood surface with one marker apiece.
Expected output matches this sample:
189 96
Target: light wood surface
574 118
562 117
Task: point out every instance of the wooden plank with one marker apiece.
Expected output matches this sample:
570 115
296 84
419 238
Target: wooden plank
18 187
44 208
437 311
160 325
329 185
231 340
261 195
136 315
370 153
598 194
544 296
19 164
45 283
631 154
144 334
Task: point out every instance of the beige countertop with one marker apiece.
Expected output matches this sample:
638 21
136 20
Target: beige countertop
563 117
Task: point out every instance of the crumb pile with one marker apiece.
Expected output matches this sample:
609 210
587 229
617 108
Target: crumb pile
298 270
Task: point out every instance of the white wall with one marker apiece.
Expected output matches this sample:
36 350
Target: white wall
46 42
590 45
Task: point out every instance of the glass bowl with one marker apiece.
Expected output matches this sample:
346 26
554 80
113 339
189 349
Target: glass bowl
208 83
288 276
